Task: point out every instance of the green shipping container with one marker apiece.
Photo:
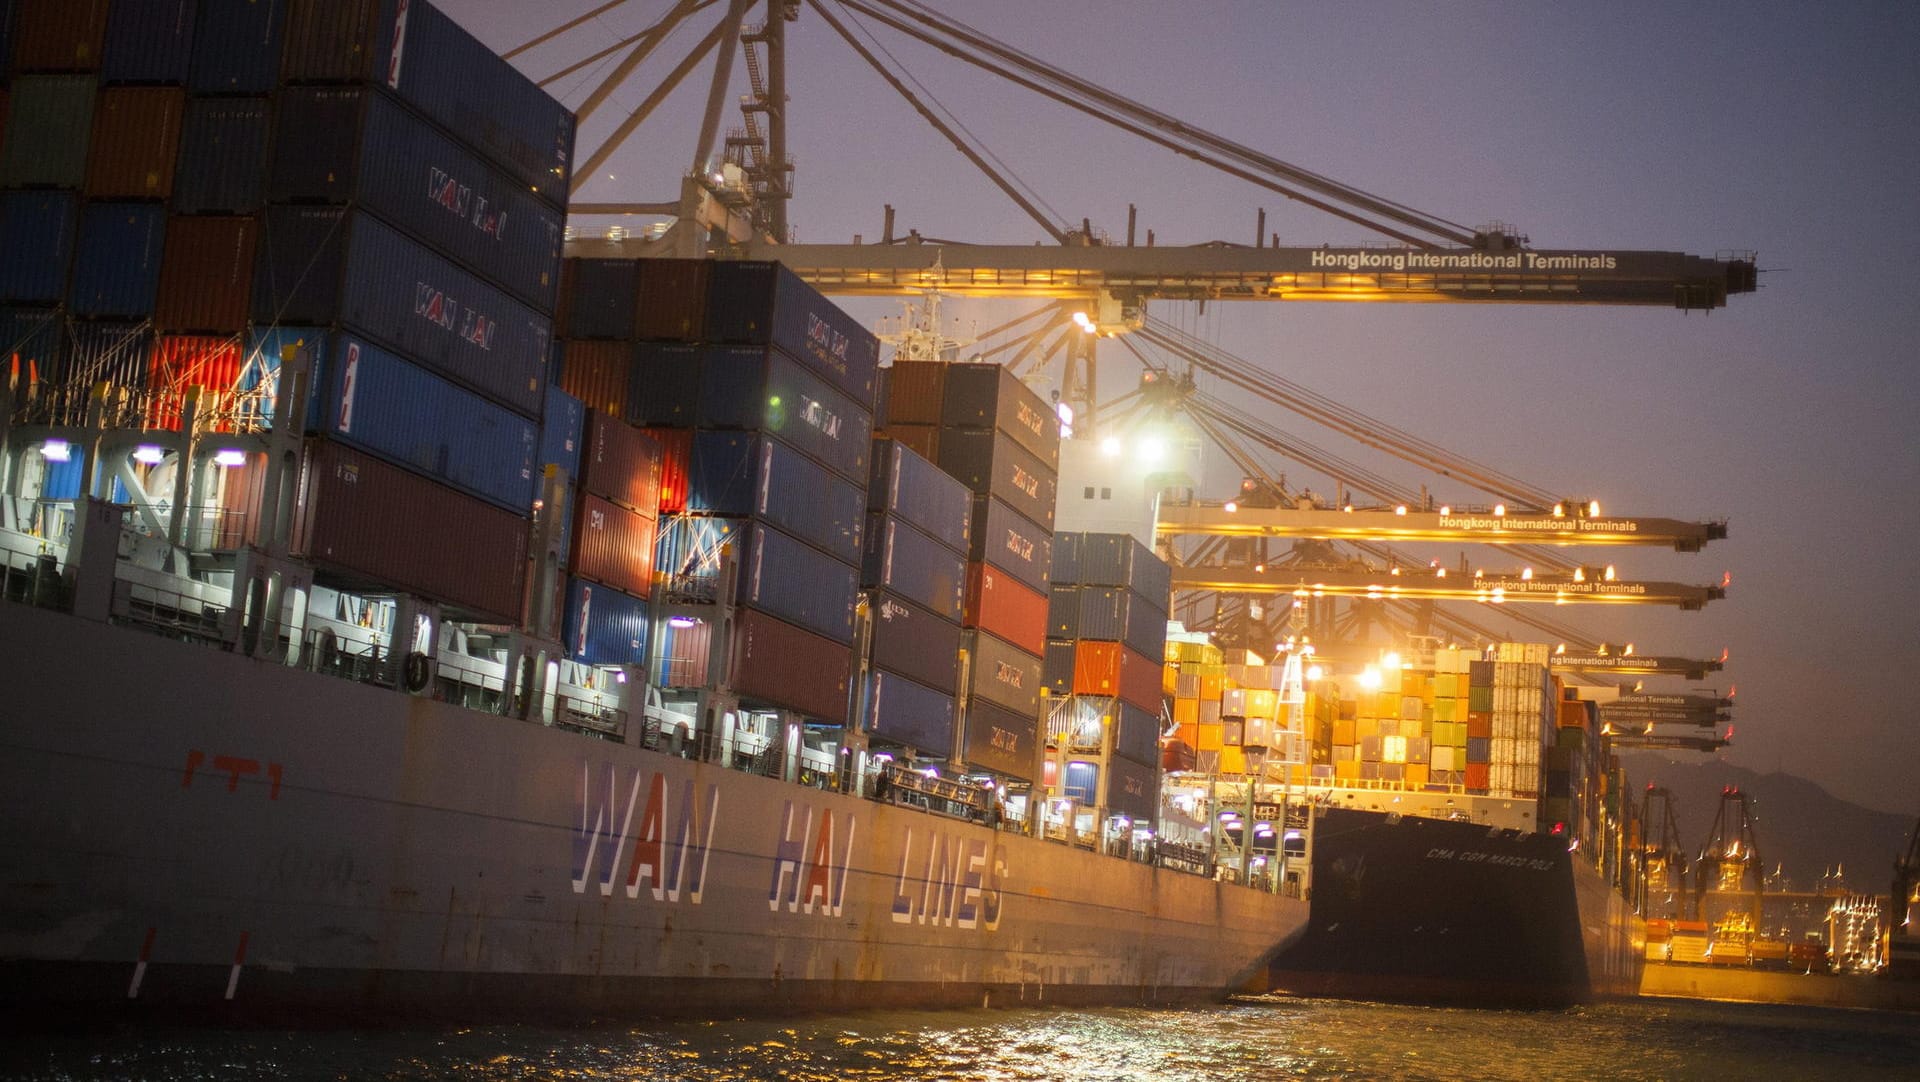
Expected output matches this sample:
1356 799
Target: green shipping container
49 119
1480 700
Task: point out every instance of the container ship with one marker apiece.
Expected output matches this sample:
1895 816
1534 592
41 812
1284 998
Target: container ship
403 619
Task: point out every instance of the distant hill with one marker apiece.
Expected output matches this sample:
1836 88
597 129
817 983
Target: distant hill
1798 824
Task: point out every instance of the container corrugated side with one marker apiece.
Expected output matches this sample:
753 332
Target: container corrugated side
368 524
237 45
612 545
59 35
1011 542
1063 612
1000 740
905 483
563 429
109 351
902 559
989 396
681 654
600 300
676 463
36 233
148 41
136 140
998 603
181 363
358 145
598 374
621 463
34 338
1137 734
602 626
1002 673
764 390
116 262
916 391
670 300
990 463
327 264
767 304
798 583
664 388
223 156
1111 614
689 551
380 402
913 641
49 123
745 473
782 665
908 713
1133 790
206 276
1107 559
1056 667
1066 558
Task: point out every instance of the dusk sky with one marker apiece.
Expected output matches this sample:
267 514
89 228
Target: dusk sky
1788 129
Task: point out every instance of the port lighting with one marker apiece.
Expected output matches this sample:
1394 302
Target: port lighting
149 454
1152 449
1370 678
1401 510
1579 574
1526 574
1315 672
1390 659
1064 412
1231 507
1110 446
620 676
1593 509
56 451
1500 509
1445 509
1559 510
229 457
1609 573
680 621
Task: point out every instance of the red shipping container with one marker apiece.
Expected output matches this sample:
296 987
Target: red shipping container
1096 668
136 138
999 603
1140 680
621 463
183 362
206 276
59 35
612 546
781 665
670 300
1477 775
681 654
1479 724
596 373
676 458
372 526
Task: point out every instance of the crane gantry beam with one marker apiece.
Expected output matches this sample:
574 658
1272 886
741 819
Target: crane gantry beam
1407 524
1416 584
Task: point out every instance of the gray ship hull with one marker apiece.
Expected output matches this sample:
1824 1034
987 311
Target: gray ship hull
186 828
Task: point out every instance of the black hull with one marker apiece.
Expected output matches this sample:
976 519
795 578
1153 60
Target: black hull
1430 910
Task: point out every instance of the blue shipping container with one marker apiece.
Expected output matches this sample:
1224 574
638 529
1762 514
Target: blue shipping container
1114 614
600 298
907 713
913 642
223 156
379 402
764 390
109 351
148 41
1118 559
320 265
32 337
1063 613
740 473
116 263
1137 736
602 626
784 577
687 548
1009 541
36 233
260 369
906 484
236 46
1066 558
902 559
562 431
357 145
767 304
664 385
421 54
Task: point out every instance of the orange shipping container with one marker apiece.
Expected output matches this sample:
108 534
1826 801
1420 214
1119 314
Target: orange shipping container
997 603
1233 760
136 137
1210 738
1477 775
1096 669
596 373
1479 724
1415 775
1212 687
676 451
1186 711
183 362
59 35
1345 732
1188 733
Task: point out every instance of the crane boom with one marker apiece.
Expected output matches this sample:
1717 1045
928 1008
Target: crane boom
1390 524
1414 584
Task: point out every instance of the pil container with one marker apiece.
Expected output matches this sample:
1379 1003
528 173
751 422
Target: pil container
1011 542
620 463
148 41
357 145
914 642
116 265
901 711
999 740
906 485
49 122
59 35
916 392
602 626
599 302
1133 790
1136 734
743 473
563 432
331 264
991 463
223 156
989 396
761 303
206 275
417 52
379 402
996 602
766 391
136 140
1108 559
909 563
237 45
1002 673
670 299
790 579
36 233
368 525
597 373
785 666
612 545
1109 614
664 388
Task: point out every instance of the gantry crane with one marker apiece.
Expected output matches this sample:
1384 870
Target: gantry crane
1663 861
1729 859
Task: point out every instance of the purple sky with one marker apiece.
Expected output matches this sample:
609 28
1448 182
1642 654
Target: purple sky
1790 129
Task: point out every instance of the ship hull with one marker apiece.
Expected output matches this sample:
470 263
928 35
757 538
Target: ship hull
191 830
1432 910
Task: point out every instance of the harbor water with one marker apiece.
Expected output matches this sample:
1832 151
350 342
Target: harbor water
1276 1038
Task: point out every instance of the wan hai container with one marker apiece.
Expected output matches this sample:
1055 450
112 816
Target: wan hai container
777 664
906 485
761 303
763 390
1000 740
755 475
904 712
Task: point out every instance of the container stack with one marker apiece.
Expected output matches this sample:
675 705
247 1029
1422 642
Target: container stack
1524 717
759 393
1223 702
1106 636
1568 784
609 552
980 424
918 525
